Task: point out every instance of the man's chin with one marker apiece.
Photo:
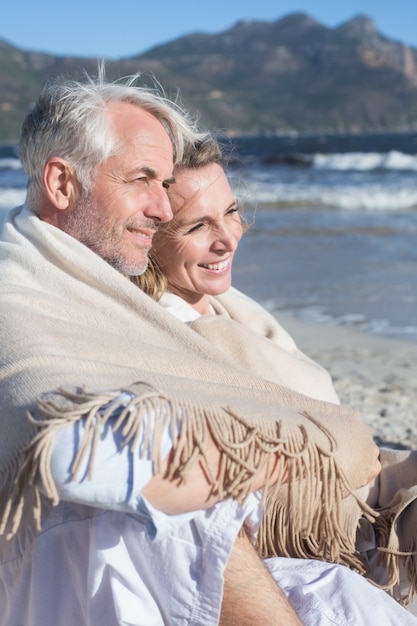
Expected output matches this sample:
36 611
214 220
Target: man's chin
137 272
128 268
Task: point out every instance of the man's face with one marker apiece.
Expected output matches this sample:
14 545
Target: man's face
118 219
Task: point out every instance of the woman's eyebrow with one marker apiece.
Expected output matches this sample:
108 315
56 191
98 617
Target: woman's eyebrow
208 218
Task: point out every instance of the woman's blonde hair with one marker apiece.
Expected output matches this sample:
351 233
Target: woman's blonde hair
153 281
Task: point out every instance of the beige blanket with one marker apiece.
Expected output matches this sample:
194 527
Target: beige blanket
70 320
256 340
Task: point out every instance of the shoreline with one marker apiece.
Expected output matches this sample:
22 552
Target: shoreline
375 375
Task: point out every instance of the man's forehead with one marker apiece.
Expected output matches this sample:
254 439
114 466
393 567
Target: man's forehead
142 142
130 120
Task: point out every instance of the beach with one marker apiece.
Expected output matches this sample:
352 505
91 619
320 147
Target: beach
375 375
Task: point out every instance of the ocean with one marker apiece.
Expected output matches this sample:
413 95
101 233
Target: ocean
332 235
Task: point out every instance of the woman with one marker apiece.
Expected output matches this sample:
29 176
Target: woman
192 255
195 252
190 274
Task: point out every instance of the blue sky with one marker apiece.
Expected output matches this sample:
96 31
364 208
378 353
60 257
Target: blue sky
127 27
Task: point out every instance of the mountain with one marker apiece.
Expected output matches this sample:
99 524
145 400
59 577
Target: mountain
292 74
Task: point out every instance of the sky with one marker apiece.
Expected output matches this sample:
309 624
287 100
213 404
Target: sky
123 28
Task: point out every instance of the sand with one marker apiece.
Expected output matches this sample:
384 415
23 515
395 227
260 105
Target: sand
374 375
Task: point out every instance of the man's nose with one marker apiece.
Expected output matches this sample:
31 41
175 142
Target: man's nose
161 206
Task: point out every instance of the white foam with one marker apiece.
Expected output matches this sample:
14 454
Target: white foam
10 164
368 197
320 315
362 161
10 197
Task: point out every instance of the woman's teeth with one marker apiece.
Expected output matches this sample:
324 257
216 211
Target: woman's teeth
216 266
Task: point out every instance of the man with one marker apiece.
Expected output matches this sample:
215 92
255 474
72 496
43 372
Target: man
143 443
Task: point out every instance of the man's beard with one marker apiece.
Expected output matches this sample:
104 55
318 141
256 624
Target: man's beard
85 222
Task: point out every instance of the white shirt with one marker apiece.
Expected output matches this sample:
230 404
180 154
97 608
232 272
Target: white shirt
179 308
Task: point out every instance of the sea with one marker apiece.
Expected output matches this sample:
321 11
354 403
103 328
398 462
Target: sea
331 226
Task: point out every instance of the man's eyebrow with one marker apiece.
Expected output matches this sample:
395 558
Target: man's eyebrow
151 173
170 181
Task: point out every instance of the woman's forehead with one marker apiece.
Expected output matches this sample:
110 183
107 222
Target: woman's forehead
193 183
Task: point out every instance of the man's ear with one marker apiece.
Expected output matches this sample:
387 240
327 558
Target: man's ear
60 184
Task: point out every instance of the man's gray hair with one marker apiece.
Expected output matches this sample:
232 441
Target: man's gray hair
69 120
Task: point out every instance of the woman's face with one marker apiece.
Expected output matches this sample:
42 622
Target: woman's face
195 250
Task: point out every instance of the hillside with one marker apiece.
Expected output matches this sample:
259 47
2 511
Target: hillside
293 74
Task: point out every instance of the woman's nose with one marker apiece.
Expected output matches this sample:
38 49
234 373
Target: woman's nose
226 239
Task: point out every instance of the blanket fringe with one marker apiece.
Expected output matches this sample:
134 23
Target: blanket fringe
316 522
397 548
304 513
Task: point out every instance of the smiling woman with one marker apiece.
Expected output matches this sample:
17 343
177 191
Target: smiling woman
192 255
190 274
195 251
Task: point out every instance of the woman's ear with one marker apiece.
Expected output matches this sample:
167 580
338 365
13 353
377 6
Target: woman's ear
60 184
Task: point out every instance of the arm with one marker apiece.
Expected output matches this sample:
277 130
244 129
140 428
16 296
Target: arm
122 478
175 497
181 497
251 596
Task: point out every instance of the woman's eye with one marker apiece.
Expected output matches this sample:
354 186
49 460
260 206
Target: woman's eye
196 227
